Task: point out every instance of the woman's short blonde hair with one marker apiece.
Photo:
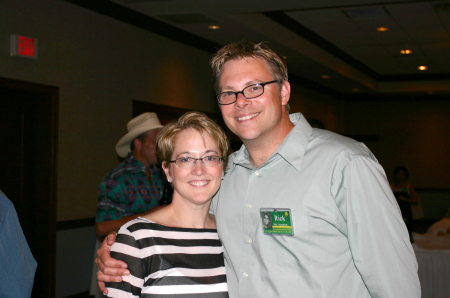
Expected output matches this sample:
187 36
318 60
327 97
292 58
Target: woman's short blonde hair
165 141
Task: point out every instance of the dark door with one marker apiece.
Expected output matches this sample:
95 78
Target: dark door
27 170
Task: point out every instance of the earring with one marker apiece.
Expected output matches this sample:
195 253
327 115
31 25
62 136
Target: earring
168 180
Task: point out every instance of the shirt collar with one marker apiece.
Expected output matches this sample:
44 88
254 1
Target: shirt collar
134 162
294 145
292 149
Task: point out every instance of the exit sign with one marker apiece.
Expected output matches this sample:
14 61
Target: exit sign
22 46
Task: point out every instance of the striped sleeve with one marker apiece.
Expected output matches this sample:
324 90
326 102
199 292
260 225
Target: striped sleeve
126 248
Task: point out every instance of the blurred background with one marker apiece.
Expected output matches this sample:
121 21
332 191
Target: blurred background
376 71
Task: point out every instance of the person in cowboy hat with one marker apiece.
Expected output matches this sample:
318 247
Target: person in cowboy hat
135 186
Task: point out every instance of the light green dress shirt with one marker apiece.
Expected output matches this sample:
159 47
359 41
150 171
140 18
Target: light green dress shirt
349 237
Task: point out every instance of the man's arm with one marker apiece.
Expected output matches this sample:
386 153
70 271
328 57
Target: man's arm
110 270
106 227
377 235
17 262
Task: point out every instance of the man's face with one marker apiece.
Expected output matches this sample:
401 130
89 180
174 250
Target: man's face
147 148
257 119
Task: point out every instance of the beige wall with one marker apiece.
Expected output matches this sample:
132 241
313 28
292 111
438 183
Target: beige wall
414 134
318 106
100 65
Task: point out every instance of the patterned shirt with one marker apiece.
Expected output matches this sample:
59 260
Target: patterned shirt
126 190
169 262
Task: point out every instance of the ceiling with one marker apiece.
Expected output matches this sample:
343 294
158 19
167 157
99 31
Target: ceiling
318 38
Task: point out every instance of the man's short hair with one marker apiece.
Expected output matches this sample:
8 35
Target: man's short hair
250 49
165 140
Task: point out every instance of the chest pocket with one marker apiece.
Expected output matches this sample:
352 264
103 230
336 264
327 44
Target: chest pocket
288 250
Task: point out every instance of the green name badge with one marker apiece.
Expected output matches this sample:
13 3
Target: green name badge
277 221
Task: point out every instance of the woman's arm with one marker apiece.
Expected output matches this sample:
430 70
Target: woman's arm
414 198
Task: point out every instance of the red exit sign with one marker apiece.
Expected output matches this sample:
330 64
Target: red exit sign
22 46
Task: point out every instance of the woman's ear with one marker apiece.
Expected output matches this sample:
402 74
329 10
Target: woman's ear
166 168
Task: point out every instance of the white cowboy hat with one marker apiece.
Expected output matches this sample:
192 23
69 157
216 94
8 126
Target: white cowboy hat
137 126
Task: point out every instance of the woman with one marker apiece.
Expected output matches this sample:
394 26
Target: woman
406 196
175 251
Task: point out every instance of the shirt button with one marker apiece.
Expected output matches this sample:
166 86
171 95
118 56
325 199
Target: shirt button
249 205
245 274
249 240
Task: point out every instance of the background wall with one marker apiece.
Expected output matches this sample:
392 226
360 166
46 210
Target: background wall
101 65
413 134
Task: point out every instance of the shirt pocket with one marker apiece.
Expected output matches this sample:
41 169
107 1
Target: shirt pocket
291 251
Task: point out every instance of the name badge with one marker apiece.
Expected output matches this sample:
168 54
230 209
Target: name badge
277 221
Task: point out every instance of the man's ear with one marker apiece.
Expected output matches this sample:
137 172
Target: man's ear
285 93
137 143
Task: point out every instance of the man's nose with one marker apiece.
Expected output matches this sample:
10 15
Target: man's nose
241 100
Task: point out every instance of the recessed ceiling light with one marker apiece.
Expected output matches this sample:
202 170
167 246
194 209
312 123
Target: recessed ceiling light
382 29
422 67
325 76
214 27
405 52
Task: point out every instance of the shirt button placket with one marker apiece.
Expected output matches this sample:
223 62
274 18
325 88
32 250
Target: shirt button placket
245 284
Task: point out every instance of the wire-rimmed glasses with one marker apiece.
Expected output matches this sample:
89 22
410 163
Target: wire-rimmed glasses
189 162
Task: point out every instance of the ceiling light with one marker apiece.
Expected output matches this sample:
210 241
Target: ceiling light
214 27
422 67
325 76
405 52
382 29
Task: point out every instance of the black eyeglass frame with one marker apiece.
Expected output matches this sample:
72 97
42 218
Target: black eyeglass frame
242 92
195 159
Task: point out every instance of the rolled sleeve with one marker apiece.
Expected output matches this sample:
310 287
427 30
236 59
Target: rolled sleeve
377 235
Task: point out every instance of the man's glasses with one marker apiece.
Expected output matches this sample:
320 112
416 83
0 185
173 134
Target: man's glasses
189 162
249 92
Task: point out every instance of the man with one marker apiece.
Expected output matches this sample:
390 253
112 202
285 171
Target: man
135 186
336 230
17 262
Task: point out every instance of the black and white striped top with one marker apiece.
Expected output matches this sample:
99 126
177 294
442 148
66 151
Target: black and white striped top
169 262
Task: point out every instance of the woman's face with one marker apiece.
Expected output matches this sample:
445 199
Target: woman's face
195 185
400 176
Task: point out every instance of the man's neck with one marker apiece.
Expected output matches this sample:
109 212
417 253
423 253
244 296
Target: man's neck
140 159
262 148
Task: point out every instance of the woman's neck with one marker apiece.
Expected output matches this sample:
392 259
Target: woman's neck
182 215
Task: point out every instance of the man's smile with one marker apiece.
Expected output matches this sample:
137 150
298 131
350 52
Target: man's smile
243 118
